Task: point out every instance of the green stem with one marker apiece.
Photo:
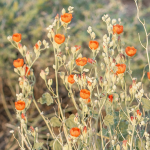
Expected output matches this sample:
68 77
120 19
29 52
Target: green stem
59 105
132 137
43 118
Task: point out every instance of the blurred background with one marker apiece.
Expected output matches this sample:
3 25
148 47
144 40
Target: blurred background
30 18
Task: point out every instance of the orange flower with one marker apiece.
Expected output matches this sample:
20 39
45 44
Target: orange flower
110 98
148 75
66 17
138 112
71 79
84 93
18 63
87 101
75 132
121 68
77 47
130 51
93 45
16 37
26 70
117 29
20 105
59 38
81 61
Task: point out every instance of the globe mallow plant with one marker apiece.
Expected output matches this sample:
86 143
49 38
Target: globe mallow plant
101 86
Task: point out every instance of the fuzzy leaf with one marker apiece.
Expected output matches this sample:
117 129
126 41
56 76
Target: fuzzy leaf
38 146
46 99
70 122
108 120
55 122
146 104
55 145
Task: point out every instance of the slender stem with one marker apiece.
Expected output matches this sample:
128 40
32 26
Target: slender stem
132 137
59 105
50 130
143 24
22 142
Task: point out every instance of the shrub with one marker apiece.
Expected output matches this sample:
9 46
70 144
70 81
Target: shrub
102 86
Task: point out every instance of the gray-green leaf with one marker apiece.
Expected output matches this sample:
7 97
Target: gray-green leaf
46 99
38 146
55 122
109 120
146 104
55 145
70 122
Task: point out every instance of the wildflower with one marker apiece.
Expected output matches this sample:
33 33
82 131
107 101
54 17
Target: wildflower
23 116
20 105
18 63
121 68
130 51
91 61
84 93
26 70
66 17
71 79
148 75
77 47
110 98
59 38
81 61
75 132
16 37
117 29
93 45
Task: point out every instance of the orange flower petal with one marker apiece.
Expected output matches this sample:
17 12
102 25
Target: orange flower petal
66 17
16 37
20 105
18 63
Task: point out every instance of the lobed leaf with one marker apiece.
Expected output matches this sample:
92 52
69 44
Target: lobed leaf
46 99
109 120
55 122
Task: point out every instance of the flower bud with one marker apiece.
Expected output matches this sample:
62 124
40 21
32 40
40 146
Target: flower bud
63 11
114 21
43 74
50 81
84 131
